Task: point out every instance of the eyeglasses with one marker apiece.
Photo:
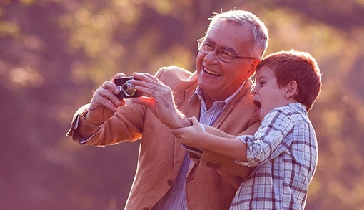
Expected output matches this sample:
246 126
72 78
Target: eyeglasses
205 46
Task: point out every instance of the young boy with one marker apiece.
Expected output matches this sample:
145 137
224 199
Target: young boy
284 149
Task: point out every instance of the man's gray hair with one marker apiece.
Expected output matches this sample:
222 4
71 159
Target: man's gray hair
242 17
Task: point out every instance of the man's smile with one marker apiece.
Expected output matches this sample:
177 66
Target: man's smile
210 72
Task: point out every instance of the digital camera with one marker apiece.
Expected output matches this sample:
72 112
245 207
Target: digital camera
127 89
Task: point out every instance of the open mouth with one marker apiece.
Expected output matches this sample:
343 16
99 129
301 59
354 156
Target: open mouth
210 72
258 104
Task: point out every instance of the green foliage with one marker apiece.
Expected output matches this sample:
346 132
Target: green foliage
54 53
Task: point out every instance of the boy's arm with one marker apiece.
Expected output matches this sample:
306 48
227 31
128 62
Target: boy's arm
228 146
224 163
272 137
216 160
196 136
270 140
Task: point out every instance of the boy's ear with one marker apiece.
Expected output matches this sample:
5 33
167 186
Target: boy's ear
292 89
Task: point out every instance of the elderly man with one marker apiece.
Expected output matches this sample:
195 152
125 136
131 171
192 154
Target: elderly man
217 94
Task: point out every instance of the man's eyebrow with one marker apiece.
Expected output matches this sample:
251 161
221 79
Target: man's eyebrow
229 49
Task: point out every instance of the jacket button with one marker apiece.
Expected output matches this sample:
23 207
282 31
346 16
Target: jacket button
170 182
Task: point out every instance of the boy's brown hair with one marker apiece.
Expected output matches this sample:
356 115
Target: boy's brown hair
296 66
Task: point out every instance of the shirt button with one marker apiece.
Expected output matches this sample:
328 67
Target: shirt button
170 182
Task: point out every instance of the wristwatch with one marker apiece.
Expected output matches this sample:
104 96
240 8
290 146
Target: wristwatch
81 115
83 118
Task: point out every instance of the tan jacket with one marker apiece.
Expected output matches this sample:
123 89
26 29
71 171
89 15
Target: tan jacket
161 155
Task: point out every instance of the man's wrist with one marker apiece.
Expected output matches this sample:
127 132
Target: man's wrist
180 122
186 122
84 119
87 129
87 120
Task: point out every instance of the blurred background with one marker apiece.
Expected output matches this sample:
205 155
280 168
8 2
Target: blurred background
54 53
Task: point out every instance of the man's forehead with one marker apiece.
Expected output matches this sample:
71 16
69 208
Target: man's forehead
224 23
231 35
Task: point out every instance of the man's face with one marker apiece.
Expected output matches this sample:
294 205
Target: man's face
218 79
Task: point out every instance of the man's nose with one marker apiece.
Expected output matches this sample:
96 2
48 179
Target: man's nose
211 57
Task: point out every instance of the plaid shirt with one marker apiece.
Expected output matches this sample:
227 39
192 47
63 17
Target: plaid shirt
284 151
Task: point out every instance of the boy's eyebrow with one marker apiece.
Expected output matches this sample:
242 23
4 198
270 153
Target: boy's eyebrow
260 77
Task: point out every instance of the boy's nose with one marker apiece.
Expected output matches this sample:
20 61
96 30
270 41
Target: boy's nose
254 90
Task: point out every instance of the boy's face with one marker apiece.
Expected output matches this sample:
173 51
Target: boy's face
267 94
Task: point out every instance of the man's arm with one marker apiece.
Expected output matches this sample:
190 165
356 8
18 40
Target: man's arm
80 125
89 118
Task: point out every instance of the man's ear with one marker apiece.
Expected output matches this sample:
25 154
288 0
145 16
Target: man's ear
291 89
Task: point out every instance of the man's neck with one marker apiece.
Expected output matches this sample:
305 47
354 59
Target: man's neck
210 100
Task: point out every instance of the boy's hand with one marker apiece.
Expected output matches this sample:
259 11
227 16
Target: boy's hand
192 136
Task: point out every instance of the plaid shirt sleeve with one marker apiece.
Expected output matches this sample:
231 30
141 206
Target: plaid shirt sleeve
284 151
268 142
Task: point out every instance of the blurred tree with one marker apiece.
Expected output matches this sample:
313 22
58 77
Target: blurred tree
53 53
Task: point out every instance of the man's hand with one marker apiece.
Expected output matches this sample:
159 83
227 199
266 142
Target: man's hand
104 102
159 98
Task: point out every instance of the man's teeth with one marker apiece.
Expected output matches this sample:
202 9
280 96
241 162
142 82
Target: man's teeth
210 72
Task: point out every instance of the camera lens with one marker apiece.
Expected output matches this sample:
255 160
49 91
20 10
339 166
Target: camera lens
128 88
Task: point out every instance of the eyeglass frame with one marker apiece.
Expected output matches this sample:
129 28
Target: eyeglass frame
202 40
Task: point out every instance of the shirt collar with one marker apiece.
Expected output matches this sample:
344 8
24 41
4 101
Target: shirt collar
298 106
198 94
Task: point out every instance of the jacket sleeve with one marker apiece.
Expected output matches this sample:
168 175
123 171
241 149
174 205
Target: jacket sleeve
127 124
